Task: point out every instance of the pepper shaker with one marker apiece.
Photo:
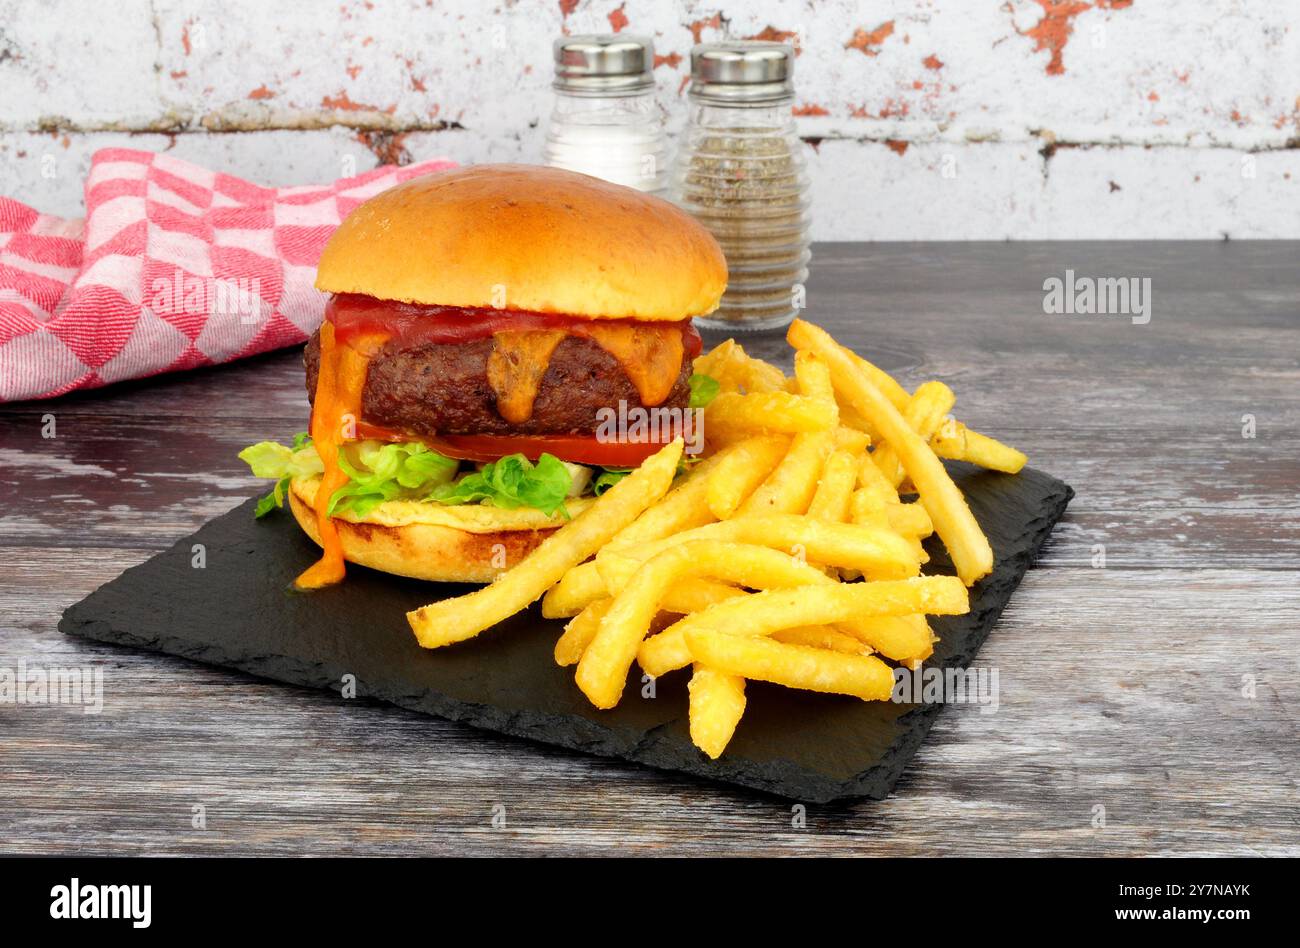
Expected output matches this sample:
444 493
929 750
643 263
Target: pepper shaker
740 171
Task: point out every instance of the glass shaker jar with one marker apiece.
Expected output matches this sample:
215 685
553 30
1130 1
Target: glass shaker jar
606 122
740 171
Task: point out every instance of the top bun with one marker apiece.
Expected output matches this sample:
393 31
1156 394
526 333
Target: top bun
527 238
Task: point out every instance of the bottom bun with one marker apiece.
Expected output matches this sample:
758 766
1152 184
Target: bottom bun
432 551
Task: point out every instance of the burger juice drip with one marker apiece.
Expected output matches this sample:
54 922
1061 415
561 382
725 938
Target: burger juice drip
335 412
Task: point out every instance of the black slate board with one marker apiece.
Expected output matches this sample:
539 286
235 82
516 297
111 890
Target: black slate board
238 611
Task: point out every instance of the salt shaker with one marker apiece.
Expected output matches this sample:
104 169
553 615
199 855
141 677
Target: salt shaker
740 171
606 122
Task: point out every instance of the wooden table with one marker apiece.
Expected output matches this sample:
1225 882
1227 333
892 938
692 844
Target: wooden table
1160 686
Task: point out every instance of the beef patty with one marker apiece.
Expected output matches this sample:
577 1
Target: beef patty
435 388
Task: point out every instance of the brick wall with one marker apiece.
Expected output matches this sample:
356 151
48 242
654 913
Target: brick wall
922 120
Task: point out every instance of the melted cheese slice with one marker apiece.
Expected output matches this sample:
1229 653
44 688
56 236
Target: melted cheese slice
515 368
650 356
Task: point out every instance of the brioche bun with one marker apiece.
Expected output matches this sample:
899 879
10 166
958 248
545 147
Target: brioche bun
462 544
527 238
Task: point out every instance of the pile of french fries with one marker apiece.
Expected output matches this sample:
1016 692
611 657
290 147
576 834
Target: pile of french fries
787 555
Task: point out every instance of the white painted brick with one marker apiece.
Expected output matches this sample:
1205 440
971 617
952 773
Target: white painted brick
1186 90
85 61
1169 193
861 190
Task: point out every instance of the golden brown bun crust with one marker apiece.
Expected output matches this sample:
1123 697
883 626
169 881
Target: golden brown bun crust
423 550
552 241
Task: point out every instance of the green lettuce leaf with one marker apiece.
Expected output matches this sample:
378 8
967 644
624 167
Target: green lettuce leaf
270 502
608 478
704 389
269 459
379 471
512 482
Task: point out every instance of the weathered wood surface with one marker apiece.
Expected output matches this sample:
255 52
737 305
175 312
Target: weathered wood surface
1121 687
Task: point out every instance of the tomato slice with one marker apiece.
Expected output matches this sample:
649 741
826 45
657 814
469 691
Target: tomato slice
579 449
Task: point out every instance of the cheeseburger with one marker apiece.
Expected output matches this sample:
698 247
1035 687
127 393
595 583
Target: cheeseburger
482 325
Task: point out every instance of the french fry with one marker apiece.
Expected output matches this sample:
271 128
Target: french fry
717 701
882 380
579 632
925 411
762 613
790 487
463 617
696 595
728 363
822 636
866 508
683 507
851 440
956 442
795 666
876 504
835 488
887 384
578 588
893 638
875 483
814 381
911 520
691 594
953 521
757 375
802 486
744 466
602 672
852 420
877 554
714 363
875 500
767 413
906 639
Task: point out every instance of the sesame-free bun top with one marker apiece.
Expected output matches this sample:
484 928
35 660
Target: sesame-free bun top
531 238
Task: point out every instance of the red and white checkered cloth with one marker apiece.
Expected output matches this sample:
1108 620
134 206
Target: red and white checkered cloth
174 266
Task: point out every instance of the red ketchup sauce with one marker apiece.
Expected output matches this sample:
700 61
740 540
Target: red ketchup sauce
407 324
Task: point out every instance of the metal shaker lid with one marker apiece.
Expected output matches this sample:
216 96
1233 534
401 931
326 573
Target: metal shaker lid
743 73
599 64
